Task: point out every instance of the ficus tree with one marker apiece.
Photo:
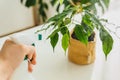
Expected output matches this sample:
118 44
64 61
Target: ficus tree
90 20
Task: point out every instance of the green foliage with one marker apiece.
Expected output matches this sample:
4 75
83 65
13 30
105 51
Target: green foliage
65 41
67 21
81 34
29 3
88 4
42 10
84 1
42 7
59 24
53 2
87 24
90 20
64 30
61 1
61 16
107 41
54 40
103 4
106 3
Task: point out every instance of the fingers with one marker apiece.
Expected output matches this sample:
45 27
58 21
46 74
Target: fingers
30 66
33 61
32 57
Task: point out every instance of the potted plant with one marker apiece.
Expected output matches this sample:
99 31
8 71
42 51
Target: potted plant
82 36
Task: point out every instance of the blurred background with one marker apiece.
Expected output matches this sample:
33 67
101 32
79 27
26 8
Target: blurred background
15 16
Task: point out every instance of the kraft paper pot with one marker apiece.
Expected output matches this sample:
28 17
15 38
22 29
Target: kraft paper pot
80 53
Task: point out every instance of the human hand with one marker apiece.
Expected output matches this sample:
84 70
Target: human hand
13 54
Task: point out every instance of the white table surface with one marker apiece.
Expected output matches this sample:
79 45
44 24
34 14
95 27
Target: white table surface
55 65
52 65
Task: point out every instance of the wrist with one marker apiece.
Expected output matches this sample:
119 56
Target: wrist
5 70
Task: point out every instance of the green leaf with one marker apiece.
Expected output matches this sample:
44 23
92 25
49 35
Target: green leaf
40 1
30 3
88 24
57 17
83 1
81 34
64 30
93 1
88 1
45 6
53 33
87 29
101 5
58 7
106 3
91 8
60 15
95 20
61 1
53 2
107 41
67 3
42 10
54 40
67 21
65 41
104 20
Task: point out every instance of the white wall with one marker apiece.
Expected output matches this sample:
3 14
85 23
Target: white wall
14 16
